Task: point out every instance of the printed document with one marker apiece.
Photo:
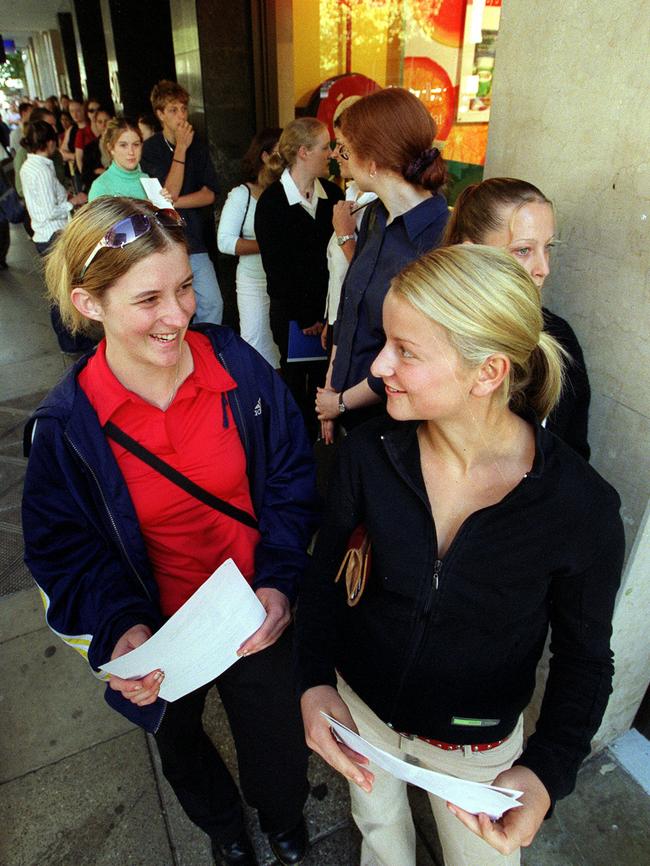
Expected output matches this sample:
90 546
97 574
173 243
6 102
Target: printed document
152 189
472 796
200 641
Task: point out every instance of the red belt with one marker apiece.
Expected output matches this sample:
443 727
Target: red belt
453 747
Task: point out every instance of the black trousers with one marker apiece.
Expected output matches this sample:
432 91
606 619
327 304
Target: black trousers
5 240
260 701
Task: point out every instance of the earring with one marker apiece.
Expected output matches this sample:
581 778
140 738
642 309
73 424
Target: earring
373 173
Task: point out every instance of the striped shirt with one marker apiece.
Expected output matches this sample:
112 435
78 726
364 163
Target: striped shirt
46 199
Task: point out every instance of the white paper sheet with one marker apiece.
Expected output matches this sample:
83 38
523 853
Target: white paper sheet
152 187
472 796
200 641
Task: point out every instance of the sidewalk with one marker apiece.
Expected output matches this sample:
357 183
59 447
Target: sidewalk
80 786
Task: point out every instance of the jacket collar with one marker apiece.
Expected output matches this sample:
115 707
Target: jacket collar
419 218
401 442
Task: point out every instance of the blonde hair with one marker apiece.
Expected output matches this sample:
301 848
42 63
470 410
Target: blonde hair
302 131
488 304
68 255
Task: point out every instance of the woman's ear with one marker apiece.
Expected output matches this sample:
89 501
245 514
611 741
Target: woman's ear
491 375
89 307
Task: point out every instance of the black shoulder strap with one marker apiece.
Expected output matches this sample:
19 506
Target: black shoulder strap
248 202
177 477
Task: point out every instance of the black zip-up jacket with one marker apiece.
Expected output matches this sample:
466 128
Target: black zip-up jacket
432 642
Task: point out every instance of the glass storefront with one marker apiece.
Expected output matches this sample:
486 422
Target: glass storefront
442 50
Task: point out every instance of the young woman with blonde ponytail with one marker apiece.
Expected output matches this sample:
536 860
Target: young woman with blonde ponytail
485 530
293 224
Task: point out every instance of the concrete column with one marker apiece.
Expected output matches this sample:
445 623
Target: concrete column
566 115
66 27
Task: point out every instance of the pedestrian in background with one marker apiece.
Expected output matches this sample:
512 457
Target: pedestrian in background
236 236
184 167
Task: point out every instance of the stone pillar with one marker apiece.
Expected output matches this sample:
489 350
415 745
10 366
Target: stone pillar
567 116
66 27
93 64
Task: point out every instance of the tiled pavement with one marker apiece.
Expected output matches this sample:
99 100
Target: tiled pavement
80 786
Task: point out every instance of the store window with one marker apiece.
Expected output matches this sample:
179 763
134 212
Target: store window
442 50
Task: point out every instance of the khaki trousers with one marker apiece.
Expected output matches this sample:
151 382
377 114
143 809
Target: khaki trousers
384 816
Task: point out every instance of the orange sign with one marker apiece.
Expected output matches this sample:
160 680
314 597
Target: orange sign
442 20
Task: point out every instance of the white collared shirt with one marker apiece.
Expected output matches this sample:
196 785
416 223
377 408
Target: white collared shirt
337 262
46 199
294 197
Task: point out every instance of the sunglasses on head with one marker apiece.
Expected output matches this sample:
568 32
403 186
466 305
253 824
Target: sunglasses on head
131 228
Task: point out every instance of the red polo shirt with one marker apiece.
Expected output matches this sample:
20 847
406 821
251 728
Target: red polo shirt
186 540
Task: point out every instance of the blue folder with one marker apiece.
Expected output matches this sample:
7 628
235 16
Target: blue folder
303 347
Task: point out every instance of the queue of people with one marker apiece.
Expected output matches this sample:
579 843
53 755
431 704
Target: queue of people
453 398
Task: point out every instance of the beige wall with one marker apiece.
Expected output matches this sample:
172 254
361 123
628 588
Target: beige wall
569 115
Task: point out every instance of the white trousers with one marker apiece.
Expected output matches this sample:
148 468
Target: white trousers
384 816
253 304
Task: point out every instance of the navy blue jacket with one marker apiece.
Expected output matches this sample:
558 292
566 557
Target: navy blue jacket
382 251
83 543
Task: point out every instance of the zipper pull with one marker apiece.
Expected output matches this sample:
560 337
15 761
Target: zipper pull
436 573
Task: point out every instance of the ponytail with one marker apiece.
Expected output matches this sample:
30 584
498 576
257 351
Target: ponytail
539 384
273 169
428 170
455 231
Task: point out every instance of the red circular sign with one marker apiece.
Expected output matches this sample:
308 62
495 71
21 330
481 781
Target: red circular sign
332 92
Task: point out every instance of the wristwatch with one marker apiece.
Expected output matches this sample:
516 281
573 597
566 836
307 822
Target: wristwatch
342 406
343 239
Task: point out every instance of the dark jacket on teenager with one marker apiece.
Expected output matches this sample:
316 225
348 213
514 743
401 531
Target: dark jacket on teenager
434 643
293 246
83 543
570 418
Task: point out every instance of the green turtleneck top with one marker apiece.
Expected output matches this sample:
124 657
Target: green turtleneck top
118 181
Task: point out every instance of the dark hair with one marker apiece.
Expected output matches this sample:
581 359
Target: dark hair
483 207
23 106
264 141
40 114
394 129
37 135
167 91
150 121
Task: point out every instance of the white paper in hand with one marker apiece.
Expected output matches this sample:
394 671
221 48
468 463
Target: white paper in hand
474 797
200 641
152 187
